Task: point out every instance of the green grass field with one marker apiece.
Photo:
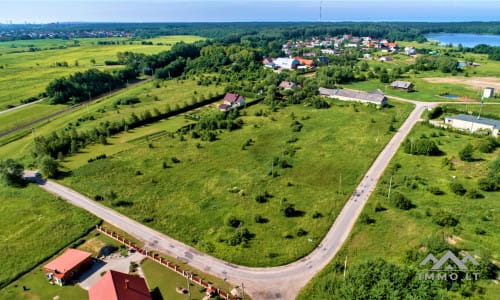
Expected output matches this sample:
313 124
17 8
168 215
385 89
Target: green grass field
190 200
164 282
26 74
395 232
27 215
152 94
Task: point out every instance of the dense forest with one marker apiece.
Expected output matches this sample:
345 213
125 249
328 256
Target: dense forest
263 30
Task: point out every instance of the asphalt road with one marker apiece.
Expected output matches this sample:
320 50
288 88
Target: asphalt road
20 106
282 282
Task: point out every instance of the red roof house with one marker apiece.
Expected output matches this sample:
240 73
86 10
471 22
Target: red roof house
68 266
120 286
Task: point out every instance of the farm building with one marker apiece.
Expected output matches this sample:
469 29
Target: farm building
402 85
119 286
68 266
473 124
376 97
286 63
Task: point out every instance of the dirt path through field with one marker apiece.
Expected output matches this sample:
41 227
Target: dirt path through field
473 82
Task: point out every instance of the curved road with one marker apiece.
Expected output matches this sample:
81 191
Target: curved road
283 282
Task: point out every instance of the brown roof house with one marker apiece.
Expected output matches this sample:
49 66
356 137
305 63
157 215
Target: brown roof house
115 285
68 266
232 100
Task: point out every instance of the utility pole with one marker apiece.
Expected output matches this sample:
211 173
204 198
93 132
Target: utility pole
345 266
340 183
390 185
242 292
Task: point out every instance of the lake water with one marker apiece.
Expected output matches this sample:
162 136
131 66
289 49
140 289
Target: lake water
467 40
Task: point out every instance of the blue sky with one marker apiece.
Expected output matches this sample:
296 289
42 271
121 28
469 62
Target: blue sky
41 11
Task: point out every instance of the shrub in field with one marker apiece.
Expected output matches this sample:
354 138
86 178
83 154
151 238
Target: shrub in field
487 185
401 201
421 147
435 190
474 194
444 218
233 221
466 153
457 188
11 172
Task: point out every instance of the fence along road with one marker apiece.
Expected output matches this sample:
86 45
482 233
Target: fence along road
283 282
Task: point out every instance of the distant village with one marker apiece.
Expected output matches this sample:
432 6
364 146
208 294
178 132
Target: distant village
309 54
32 35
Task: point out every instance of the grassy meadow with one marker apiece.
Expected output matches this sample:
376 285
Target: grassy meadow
152 94
395 233
26 73
188 188
26 215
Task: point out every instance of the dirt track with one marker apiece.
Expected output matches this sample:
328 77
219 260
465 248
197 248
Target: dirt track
473 82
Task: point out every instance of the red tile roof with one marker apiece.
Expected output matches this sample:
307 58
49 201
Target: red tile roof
70 259
232 98
119 286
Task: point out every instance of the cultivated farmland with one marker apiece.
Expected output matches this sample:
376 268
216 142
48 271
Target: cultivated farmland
26 73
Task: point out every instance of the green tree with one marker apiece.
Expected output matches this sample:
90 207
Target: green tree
466 153
11 172
48 166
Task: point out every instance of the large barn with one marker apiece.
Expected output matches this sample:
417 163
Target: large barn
473 124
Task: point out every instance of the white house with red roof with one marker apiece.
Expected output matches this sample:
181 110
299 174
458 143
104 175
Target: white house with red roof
68 266
232 100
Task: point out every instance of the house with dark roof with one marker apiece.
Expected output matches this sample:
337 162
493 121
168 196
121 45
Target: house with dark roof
376 97
115 285
473 124
68 266
402 85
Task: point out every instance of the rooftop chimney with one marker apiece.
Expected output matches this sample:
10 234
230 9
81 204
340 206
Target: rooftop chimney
126 284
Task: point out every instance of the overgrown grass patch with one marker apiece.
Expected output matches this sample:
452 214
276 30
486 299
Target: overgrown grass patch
190 199
404 237
33 226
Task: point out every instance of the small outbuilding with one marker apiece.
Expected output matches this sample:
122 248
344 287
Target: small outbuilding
68 266
402 85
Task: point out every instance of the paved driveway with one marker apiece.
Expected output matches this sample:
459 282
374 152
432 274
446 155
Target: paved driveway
112 262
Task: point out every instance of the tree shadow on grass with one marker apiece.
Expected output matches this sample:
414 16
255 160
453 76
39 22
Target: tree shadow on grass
156 294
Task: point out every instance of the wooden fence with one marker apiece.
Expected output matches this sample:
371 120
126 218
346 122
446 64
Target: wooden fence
164 262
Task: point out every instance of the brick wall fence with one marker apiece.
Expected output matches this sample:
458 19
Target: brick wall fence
164 262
